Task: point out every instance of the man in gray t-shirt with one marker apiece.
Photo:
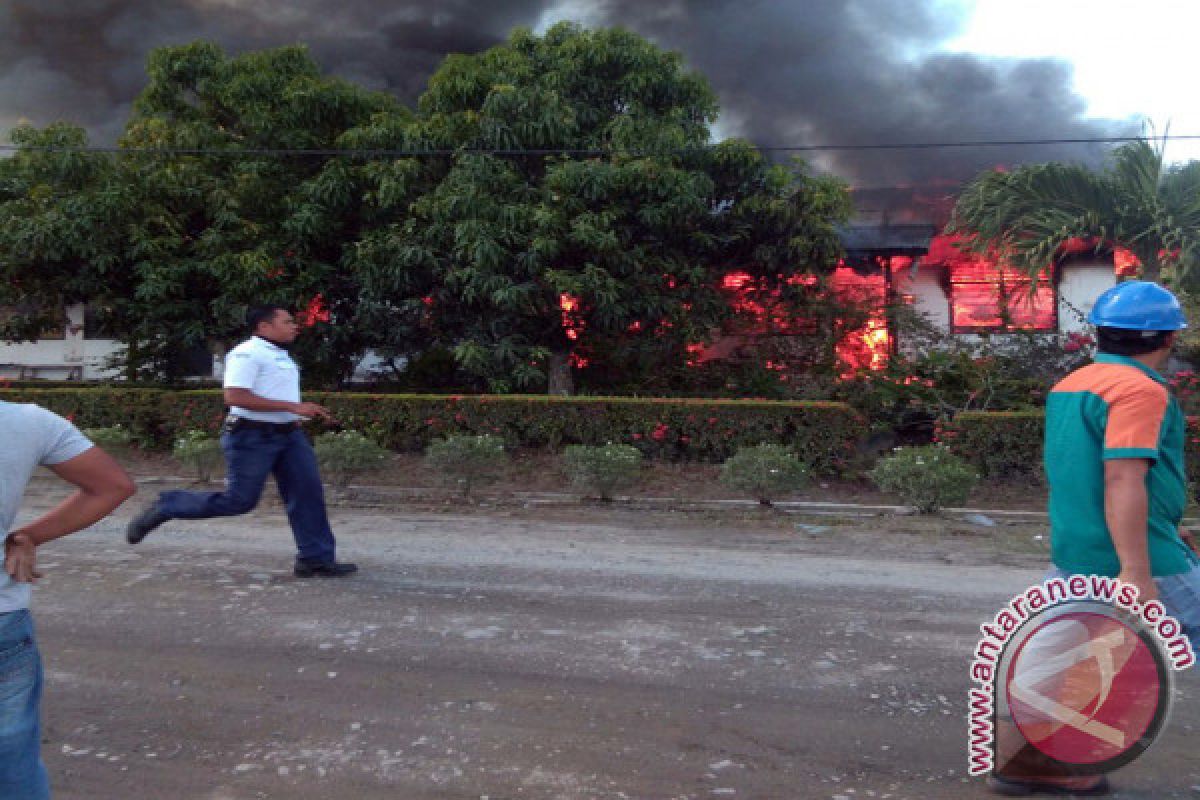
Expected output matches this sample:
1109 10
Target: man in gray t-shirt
35 437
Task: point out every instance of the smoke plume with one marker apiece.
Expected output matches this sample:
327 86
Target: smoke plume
847 72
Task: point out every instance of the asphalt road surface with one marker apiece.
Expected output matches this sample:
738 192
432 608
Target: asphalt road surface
524 655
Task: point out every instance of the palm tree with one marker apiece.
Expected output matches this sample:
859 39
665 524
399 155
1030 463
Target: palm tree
1137 202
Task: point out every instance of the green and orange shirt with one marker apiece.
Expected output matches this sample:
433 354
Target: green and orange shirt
1114 408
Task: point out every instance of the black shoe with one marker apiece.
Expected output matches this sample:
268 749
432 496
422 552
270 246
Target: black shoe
1016 787
149 519
323 569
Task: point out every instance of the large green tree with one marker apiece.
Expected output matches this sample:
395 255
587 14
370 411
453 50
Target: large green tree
571 203
64 215
1137 201
198 215
238 222
554 198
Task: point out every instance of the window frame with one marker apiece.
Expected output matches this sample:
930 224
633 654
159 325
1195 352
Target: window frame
1005 283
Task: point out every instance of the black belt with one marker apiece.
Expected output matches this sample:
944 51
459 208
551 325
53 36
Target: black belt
242 424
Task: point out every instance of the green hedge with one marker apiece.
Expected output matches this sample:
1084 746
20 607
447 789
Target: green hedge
822 434
1191 453
139 410
1001 444
1008 444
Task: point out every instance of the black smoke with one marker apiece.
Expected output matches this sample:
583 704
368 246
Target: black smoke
851 72
867 72
84 60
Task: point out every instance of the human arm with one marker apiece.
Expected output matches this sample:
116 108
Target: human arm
1126 511
1186 537
101 485
244 398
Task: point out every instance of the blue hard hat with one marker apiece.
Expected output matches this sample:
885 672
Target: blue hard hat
1138 306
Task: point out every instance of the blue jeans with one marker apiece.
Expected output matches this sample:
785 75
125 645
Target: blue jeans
250 455
1180 596
22 773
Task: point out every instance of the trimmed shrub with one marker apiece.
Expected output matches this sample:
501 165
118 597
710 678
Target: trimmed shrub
927 478
1005 445
199 452
765 472
195 410
821 434
344 454
467 461
115 439
137 410
1191 449
603 470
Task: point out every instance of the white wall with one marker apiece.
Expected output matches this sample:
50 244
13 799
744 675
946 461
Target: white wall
1078 289
55 358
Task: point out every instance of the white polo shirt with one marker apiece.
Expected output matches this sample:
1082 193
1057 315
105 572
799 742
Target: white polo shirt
266 370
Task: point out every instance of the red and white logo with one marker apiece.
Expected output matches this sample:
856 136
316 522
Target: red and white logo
1087 689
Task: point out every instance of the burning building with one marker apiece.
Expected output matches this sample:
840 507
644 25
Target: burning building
958 292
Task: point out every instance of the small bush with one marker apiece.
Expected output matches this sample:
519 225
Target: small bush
765 472
468 461
604 469
200 452
116 439
927 478
344 454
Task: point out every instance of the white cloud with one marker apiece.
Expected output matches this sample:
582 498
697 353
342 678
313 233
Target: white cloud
1129 59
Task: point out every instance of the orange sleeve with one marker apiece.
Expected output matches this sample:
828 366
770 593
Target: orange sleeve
1135 419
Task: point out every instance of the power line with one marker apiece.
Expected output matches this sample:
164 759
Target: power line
577 152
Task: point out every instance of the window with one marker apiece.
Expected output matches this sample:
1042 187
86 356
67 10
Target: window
985 297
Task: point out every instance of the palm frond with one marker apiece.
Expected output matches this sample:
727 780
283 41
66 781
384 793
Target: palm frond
1138 167
1028 213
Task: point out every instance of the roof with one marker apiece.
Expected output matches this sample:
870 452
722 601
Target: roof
911 239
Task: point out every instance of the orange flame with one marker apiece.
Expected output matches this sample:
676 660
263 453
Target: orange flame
314 313
572 325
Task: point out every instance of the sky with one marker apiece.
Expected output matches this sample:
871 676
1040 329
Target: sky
788 72
1129 59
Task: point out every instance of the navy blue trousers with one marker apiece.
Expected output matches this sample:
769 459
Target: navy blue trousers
250 455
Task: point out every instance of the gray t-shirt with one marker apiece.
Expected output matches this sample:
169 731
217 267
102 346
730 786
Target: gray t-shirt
32 436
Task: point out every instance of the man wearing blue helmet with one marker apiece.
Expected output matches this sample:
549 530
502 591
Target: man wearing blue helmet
1114 459
1116 501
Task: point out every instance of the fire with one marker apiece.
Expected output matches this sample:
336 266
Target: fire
988 295
734 281
572 325
315 312
1126 263
984 294
869 347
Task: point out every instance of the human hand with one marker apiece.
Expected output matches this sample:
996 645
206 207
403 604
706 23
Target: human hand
1188 539
1147 589
310 410
20 558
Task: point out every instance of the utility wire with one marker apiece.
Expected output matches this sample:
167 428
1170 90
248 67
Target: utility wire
583 152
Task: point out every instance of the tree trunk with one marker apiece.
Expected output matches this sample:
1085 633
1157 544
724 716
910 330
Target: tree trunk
558 378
